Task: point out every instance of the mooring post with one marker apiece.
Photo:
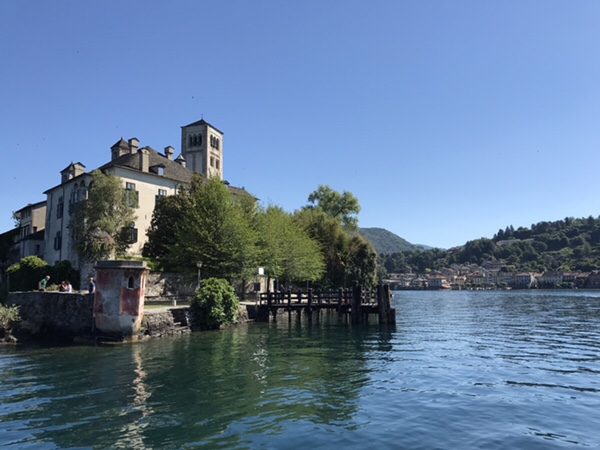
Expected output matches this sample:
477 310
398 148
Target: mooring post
390 312
355 309
309 300
340 300
381 305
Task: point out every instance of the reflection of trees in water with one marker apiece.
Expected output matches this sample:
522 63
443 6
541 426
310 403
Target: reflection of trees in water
206 387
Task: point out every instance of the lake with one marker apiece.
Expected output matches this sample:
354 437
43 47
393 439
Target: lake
460 370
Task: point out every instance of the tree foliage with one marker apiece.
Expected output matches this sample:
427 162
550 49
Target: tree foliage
568 244
349 258
9 317
162 234
286 251
100 223
343 207
215 304
25 275
214 230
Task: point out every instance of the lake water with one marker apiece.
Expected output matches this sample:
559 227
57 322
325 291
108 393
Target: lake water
461 370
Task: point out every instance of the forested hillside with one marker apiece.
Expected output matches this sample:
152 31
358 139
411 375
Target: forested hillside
569 244
386 242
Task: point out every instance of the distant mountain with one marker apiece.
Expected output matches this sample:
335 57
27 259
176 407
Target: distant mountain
387 242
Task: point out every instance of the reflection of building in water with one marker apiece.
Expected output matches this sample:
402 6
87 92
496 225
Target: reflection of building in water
132 433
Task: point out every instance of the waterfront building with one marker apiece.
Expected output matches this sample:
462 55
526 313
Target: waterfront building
523 280
145 174
550 279
593 280
27 238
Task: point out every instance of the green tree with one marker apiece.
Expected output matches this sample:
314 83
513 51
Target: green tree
344 206
101 223
287 251
348 258
164 226
214 230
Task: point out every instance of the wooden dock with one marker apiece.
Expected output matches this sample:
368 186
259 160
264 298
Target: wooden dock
358 303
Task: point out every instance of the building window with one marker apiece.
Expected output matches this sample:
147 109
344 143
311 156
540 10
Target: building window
130 283
131 235
160 171
60 208
58 241
212 161
217 164
190 140
214 142
162 193
131 195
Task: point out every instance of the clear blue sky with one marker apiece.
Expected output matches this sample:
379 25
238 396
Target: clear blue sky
447 119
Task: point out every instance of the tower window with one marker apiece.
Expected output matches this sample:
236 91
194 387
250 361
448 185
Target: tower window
217 164
212 161
130 283
60 208
58 240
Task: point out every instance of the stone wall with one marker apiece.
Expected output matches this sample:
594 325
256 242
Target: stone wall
166 287
52 314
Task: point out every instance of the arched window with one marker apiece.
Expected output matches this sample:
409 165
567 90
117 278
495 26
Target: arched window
130 284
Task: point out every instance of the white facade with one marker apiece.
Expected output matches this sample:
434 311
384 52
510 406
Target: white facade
144 171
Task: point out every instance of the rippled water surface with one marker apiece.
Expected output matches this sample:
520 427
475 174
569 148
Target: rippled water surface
460 370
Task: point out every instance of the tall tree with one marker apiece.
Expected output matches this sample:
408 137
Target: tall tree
287 251
343 207
348 258
100 223
166 220
215 231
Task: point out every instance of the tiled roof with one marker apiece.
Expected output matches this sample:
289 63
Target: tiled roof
202 122
120 143
173 170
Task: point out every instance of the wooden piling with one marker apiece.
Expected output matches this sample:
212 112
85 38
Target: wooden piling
355 307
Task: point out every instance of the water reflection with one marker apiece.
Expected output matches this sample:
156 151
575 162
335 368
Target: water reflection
460 370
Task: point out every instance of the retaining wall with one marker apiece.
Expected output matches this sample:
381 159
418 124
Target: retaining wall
53 314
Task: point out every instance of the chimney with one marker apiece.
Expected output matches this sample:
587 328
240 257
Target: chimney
180 160
169 152
134 144
144 159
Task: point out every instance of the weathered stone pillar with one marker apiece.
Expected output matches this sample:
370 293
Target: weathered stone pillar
119 297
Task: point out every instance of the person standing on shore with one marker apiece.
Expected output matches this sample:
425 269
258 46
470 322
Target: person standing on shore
91 285
43 283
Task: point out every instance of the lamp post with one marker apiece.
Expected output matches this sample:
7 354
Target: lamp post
199 266
261 274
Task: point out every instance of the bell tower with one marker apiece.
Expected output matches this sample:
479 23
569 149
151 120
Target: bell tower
202 148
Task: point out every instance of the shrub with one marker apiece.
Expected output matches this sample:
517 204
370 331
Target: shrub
215 304
9 317
25 275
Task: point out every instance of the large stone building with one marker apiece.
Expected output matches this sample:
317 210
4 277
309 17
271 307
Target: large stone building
145 174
